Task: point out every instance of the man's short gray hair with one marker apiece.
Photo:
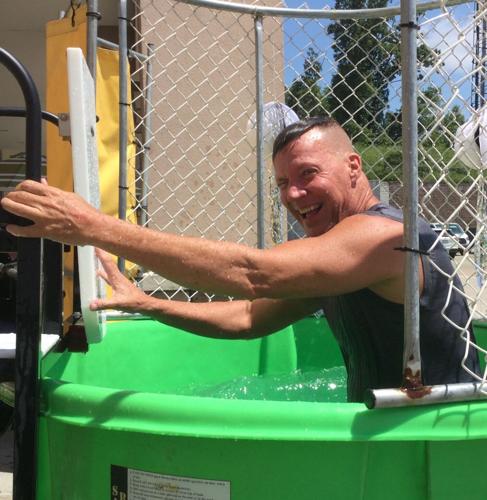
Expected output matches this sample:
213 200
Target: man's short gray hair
297 129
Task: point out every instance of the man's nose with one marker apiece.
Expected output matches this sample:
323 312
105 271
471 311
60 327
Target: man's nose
294 192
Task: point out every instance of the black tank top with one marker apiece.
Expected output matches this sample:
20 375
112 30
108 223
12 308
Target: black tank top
370 329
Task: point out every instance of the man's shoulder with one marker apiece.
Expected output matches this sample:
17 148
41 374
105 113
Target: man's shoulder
366 222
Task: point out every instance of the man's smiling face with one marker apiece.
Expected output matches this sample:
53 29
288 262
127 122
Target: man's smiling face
315 178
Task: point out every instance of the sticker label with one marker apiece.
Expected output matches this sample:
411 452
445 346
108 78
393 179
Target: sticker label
132 484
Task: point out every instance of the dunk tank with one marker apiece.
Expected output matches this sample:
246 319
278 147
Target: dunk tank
130 408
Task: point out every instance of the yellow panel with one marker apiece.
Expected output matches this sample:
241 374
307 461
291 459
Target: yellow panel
60 34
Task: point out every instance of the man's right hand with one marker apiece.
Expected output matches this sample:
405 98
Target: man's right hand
56 214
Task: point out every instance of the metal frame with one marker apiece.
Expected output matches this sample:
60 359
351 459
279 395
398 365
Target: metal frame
28 314
315 13
412 355
123 103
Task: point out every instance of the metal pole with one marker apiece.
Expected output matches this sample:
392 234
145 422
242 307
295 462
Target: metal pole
259 97
482 57
412 378
147 137
259 69
101 42
123 104
479 103
447 393
21 113
28 314
374 13
92 34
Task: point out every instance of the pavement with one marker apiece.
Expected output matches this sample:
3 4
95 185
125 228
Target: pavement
6 465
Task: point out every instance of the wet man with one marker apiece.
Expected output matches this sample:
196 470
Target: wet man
349 264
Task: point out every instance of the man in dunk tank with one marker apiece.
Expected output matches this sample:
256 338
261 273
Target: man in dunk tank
350 265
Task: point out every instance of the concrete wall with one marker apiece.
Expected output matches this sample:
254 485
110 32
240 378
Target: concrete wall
203 174
22 33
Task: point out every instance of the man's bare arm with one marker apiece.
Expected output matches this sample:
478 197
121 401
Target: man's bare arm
238 319
356 253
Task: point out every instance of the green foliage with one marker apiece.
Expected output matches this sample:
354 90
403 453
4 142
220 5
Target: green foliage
384 162
367 60
367 56
305 96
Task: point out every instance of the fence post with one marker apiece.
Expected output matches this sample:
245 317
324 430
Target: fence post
92 35
123 103
412 356
259 73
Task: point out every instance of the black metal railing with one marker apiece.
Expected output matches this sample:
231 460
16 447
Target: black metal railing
29 296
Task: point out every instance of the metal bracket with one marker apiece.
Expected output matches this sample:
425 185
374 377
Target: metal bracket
64 126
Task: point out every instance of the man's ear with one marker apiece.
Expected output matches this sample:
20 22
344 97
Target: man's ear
355 166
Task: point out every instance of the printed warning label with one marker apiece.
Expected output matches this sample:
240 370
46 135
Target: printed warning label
132 484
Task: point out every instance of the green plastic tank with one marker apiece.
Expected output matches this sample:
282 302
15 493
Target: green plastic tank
144 415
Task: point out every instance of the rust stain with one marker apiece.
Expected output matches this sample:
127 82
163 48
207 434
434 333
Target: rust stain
412 385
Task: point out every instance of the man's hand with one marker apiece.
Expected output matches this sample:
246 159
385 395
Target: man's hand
57 215
126 296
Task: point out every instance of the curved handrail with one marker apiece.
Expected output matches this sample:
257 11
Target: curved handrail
318 13
28 314
33 114
16 112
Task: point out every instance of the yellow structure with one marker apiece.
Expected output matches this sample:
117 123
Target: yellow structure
61 34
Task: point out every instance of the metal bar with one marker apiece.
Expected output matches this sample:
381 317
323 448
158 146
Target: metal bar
92 35
390 398
123 105
259 98
318 14
53 299
475 60
259 73
148 136
479 101
28 314
21 112
482 58
412 355
114 46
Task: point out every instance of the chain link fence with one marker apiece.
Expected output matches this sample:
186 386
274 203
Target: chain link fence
195 95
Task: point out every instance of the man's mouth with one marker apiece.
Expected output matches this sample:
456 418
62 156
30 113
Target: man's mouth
309 211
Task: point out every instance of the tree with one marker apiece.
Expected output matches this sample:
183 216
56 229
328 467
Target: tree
367 60
366 56
305 95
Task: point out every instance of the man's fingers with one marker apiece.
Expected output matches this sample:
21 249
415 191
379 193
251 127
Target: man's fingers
111 273
107 262
103 275
100 304
24 197
20 204
34 187
21 210
102 255
22 231
110 303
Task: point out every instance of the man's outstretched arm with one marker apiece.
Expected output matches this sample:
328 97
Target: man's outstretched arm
357 253
238 319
